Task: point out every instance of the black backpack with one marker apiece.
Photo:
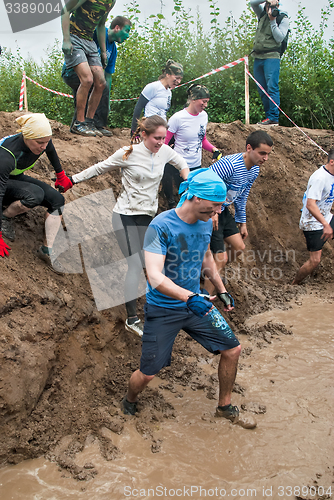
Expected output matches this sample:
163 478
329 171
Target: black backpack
284 42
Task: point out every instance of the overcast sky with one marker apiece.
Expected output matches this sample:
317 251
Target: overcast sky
35 40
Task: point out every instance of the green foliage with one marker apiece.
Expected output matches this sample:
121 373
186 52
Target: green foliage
306 81
47 73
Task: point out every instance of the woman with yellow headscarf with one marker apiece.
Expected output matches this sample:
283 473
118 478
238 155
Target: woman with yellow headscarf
19 192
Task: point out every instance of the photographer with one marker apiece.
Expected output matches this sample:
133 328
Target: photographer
271 31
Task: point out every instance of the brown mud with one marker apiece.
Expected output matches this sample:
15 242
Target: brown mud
64 366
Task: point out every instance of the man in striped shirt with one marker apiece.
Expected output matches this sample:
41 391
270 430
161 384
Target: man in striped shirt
238 171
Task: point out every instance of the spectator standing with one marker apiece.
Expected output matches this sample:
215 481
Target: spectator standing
118 32
79 19
273 27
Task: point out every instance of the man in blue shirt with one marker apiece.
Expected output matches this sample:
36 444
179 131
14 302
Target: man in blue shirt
176 252
119 31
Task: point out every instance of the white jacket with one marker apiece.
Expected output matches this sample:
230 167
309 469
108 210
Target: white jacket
141 176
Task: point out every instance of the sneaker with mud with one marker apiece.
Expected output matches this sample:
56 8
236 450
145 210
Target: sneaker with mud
82 128
52 263
128 408
90 123
7 228
232 413
105 132
136 327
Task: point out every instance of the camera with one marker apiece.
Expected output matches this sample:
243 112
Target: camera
274 8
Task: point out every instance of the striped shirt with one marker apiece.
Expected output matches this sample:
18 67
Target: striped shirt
238 179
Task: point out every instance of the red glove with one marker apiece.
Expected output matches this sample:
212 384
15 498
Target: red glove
63 183
3 247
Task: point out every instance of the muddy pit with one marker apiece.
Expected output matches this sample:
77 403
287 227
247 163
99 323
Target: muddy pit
65 365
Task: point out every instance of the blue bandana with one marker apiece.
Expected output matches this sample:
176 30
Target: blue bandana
203 183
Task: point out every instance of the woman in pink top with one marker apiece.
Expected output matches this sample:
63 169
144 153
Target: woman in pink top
188 130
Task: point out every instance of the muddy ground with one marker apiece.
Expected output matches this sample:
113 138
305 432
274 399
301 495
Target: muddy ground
64 365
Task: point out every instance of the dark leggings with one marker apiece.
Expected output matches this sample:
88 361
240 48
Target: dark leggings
171 174
130 231
32 193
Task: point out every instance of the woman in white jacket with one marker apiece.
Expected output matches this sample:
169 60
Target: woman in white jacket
142 169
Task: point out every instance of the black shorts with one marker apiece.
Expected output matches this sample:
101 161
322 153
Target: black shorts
226 227
314 241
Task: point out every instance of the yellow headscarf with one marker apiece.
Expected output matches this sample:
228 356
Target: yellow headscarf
34 126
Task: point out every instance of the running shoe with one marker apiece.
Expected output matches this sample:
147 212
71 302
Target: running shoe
89 122
7 228
82 128
267 121
105 132
137 327
232 413
128 408
52 263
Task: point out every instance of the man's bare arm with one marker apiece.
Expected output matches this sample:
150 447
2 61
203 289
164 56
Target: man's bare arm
70 6
313 208
154 267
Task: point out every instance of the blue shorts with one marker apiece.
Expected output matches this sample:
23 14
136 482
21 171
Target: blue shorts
162 326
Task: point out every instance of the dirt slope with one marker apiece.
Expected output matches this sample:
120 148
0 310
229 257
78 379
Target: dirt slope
64 366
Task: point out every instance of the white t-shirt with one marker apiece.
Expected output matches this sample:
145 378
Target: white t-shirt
320 187
141 176
159 99
189 131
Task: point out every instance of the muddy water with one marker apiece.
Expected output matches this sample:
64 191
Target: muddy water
289 453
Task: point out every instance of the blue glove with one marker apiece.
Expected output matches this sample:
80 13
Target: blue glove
199 304
226 298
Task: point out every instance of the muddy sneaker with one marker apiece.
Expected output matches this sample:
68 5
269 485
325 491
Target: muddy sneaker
128 408
105 132
232 413
137 327
53 264
7 228
89 122
82 128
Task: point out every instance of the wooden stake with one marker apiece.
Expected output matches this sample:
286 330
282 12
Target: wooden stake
25 93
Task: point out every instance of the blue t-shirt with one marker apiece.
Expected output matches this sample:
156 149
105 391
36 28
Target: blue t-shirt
184 246
111 50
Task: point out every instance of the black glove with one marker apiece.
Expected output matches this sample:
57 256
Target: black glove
216 155
226 299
